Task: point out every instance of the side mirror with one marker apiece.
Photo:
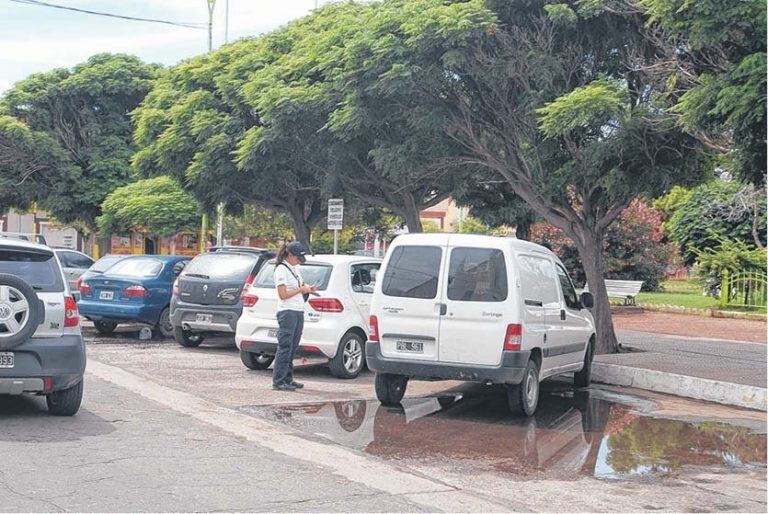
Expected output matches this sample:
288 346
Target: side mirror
178 268
587 300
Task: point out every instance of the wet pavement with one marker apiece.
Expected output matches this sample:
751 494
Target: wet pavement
575 434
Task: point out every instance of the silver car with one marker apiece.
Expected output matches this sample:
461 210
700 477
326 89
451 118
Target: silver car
73 264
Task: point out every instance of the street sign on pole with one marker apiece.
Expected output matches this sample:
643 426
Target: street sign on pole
335 220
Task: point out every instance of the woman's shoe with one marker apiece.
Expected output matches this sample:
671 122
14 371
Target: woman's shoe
284 387
297 385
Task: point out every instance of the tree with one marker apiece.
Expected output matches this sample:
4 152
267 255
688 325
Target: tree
78 123
552 104
157 206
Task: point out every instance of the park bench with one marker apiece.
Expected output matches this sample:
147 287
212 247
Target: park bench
625 289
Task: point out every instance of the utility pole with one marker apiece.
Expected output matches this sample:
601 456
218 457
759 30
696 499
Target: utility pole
211 5
226 22
204 221
220 207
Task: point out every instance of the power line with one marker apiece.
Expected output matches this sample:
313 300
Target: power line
110 15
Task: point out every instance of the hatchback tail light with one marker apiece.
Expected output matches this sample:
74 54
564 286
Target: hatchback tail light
374 323
84 287
71 316
513 339
248 299
135 291
326 304
250 280
176 290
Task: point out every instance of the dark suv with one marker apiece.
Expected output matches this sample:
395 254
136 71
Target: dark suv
206 296
41 347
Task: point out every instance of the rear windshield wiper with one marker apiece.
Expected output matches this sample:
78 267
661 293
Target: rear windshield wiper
37 288
196 275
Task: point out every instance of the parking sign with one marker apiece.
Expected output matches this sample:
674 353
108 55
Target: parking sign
335 213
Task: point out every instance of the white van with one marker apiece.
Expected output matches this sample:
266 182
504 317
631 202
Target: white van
477 308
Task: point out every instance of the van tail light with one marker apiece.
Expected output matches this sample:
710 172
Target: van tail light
71 316
135 291
176 290
326 304
248 299
84 287
513 340
374 323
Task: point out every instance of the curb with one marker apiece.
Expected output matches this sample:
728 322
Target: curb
725 393
707 313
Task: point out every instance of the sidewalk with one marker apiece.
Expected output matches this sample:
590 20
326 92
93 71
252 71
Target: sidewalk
728 372
688 325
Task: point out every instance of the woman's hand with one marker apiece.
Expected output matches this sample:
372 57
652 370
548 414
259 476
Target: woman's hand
307 288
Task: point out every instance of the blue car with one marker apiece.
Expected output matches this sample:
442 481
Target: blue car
137 289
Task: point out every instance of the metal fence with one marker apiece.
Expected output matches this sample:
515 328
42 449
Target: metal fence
744 289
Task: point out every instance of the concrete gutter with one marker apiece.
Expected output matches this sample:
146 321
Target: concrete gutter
726 393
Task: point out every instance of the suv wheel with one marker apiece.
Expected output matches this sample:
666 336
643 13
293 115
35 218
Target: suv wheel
164 327
105 328
20 311
186 338
583 377
524 397
349 359
390 389
65 402
256 360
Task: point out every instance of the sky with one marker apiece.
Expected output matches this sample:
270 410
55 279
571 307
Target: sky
35 39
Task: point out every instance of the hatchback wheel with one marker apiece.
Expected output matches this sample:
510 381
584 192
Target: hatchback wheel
105 328
390 389
524 398
187 338
164 328
349 359
65 402
256 360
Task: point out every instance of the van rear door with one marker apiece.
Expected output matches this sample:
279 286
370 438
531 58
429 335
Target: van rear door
473 329
409 307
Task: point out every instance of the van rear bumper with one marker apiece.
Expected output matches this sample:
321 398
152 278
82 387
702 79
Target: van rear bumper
511 371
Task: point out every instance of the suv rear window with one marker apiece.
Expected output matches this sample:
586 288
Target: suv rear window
40 270
412 272
137 268
222 266
319 274
477 275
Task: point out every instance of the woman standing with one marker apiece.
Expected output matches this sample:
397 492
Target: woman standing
292 292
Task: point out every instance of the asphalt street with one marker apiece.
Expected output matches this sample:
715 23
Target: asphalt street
165 428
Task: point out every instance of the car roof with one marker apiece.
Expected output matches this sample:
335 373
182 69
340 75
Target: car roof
164 258
470 239
339 259
20 244
242 249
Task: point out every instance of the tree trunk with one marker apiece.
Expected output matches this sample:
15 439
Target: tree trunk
523 230
412 214
591 254
301 226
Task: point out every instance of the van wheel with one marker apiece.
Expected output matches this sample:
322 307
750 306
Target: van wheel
65 402
105 328
524 397
349 359
186 338
164 328
257 361
583 377
390 389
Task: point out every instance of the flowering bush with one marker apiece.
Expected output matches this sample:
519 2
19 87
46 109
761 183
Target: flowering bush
633 249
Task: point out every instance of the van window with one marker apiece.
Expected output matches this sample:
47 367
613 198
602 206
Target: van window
539 282
412 272
569 293
477 275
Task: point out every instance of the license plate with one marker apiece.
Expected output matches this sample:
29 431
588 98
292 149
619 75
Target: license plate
410 346
106 295
204 318
272 332
6 359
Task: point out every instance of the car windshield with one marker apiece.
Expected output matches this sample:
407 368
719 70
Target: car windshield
39 270
318 274
105 263
140 267
221 266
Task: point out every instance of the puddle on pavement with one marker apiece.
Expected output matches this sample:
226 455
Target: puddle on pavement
585 433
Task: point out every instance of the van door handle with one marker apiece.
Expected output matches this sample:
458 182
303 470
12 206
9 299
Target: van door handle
443 309
562 314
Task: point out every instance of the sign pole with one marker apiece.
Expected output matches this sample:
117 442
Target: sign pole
335 220
335 242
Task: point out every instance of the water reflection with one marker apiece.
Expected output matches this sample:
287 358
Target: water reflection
572 434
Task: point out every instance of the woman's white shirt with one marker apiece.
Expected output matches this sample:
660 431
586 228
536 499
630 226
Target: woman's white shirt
284 277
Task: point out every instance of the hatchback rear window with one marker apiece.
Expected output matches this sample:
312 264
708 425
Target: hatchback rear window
412 272
138 268
318 274
40 270
221 266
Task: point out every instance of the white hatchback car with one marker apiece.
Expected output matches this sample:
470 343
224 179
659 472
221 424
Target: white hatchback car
335 322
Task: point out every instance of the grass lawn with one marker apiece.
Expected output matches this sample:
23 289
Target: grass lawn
684 293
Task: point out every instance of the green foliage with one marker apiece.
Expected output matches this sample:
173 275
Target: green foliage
560 14
596 105
671 201
258 222
157 206
710 213
79 120
472 225
350 239
728 254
